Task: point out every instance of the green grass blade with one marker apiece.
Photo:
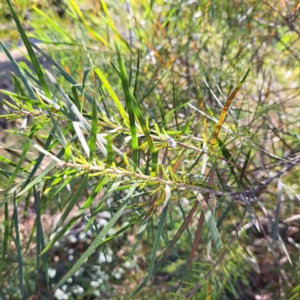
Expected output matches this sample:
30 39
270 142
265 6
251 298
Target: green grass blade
139 235
55 27
112 94
134 110
154 153
93 133
161 111
172 243
80 135
75 98
8 161
18 246
40 177
154 86
20 73
124 228
20 90
39 160
38 227
158 234
6 235
99 238
110 152
136 82
130 106
85 75
30 51
67 76
23 155
156 241
75 115
78 214
210 221
73 200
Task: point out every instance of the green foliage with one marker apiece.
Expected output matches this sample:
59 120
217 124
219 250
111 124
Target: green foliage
165 132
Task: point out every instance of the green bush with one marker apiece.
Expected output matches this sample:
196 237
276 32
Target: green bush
153 151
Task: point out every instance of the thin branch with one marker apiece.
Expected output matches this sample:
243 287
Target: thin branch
123 172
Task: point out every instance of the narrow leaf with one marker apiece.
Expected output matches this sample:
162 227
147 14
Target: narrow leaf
93 133
155 244
99 238
225 109
30 51
130 106
110 152
18 246
210 221
112 94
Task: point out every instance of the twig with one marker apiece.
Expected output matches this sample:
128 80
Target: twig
123 172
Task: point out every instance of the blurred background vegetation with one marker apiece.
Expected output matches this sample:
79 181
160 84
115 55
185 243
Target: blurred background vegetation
184 59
